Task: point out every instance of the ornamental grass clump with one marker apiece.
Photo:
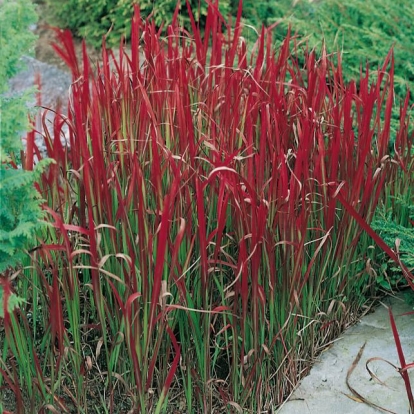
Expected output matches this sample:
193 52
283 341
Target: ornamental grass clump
199 258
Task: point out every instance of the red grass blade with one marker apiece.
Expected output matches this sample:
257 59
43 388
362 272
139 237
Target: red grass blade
401 357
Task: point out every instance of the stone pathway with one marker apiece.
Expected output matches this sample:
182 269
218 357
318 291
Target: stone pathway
324 390
55 85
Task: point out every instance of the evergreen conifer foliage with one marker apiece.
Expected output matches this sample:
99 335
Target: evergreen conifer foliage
362 30
93 19
15 40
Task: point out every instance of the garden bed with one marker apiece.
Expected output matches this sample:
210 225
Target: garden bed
206 240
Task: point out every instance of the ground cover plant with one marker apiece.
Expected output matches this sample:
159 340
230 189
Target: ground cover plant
209 224
92 19
363 31
394 219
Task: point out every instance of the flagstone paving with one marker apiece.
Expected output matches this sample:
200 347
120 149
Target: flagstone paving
324 390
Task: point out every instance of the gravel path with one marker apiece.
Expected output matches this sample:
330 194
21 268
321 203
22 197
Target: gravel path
54 82
55 85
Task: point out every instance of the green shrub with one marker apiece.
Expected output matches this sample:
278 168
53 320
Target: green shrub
15 40
92 19
391 275
265 12
363 30
393 221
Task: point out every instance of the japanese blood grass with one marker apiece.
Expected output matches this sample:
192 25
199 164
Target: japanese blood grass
199 256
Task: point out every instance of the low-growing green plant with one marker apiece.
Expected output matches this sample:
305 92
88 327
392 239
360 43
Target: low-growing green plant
394 219
209 217
15 40
363 31
93 19
398 237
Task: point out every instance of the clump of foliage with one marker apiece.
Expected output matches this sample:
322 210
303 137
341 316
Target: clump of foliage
397 237
260 12
15 40
93 19
394 219
208 222
362 30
